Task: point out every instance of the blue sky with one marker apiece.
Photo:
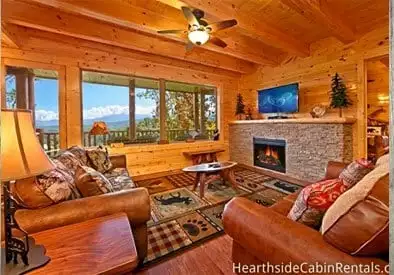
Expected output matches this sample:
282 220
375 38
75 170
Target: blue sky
98 100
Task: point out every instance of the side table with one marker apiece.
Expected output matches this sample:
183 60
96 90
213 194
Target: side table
103 245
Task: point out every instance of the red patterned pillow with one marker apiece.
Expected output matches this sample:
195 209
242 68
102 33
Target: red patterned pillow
314 200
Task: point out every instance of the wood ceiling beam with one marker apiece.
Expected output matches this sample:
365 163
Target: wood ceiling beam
52 43
319 12
52 20
8 37
252 27
151 17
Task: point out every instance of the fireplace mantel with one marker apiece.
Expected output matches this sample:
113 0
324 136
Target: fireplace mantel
306 120
310 143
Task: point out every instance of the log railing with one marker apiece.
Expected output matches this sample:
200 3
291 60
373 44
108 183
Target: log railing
50 140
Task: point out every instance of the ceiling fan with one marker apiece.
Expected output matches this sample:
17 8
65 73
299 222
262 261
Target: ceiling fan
199 31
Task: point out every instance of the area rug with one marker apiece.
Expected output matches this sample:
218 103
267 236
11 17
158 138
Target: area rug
156 185
180 219
175 202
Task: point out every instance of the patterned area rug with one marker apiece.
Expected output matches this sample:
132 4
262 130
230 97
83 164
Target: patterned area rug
181 219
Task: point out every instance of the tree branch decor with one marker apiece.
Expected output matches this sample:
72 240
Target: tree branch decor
240 107
338 94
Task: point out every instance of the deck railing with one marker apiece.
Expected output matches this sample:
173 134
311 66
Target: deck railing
50 140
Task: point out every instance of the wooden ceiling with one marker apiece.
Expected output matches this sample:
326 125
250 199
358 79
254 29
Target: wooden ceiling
268 31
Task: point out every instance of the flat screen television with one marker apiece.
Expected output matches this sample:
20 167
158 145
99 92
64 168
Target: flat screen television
283 99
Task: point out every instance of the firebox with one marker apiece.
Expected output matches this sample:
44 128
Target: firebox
270 153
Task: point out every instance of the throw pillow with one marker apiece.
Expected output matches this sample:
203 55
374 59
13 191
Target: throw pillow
99 159
120 179
91 182
358 222
314 200
70 161
355 171
79 153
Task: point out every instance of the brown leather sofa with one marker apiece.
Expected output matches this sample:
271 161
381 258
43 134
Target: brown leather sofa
261 235
134 202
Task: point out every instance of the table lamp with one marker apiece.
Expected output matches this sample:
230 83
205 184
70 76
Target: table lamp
21 157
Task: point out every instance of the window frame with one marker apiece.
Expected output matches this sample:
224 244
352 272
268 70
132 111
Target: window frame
61 72
162 90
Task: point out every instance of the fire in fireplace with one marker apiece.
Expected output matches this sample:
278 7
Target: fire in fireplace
270 154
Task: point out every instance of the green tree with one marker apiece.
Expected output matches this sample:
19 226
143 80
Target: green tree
240 107
180 112
339 96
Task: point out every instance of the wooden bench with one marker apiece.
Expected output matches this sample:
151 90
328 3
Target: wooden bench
204 156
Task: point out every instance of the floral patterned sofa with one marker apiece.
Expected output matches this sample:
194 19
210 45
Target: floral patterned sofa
86 184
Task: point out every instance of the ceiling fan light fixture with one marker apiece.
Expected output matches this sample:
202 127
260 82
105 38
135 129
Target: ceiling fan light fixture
198 37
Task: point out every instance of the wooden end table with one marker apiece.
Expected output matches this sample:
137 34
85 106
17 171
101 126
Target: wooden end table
103 245
205 156
208 172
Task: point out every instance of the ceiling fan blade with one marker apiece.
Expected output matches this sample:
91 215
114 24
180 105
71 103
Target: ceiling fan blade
171 31
218 42
190 17
189 46
222 25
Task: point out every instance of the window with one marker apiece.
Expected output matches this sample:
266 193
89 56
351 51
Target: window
121 108
38 91
127 106
191 111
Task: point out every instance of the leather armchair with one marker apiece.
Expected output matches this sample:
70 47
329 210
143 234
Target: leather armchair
261 235
134 202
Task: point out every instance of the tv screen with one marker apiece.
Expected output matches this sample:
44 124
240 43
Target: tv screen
283 99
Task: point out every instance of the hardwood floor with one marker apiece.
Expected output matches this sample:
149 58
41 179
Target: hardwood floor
210 258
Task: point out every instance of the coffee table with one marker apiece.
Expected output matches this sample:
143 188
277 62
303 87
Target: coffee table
99 246
208 172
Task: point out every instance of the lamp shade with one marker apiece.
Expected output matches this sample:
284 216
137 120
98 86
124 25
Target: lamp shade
99 128
21 153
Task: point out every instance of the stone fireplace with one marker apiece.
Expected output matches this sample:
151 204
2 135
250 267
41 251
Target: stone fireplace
299 148
269 153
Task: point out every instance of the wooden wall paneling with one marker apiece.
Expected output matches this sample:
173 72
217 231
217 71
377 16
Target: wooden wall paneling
132 122
314 75
16 60
252 26
320 13
3 74
378 89
74 106
163 122
48 19
31 95
21 86
63 129
361 113
67 52
154 158
76 54
150 16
